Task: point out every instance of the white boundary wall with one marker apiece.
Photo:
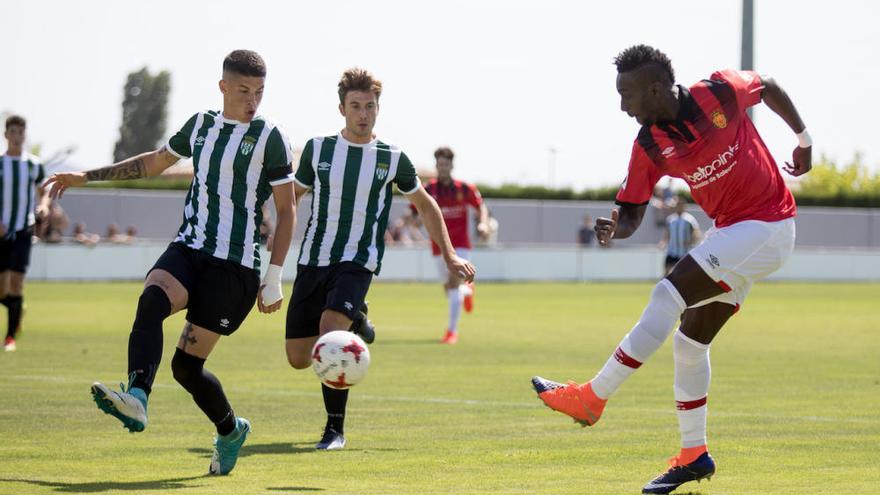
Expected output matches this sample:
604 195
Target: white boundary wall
113 262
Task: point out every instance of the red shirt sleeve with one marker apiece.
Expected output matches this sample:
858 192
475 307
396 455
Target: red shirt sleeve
746 84
474 198
640 180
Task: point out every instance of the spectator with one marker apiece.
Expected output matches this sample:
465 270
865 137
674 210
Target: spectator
586 234
115 236
681 234
52 228
85 238
267 228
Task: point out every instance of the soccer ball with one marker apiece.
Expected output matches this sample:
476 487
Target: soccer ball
340 359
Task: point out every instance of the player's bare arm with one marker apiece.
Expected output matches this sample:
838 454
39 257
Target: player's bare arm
483 223
285 210
777 100
436 227
623 223
149 164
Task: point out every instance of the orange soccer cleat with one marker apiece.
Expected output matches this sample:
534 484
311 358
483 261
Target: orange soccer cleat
450 337
577 401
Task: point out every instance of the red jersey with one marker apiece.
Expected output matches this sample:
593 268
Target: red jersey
454 200
714 146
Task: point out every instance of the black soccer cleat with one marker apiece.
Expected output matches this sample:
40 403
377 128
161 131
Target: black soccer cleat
703 467
363 326
331 440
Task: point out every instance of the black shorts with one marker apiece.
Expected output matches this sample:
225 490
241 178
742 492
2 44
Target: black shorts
15 252
341 287
221 292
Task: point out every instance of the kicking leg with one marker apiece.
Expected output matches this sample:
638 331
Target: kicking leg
163 295
687 285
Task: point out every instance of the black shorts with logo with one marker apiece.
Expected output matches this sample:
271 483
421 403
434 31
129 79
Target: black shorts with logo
221 292
341 287
15 251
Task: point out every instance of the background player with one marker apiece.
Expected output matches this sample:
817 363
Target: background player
703 135
20 176
454 197
212 267
351 176
681 233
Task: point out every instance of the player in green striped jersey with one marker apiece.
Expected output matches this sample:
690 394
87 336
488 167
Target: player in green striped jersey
350 176
20 176
212 267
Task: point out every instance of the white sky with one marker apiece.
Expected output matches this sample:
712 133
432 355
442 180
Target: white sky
500 81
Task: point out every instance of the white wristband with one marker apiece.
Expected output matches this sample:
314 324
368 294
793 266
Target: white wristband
272 285
804 139
273 275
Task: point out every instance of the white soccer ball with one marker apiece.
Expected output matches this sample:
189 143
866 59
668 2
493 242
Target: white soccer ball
340 359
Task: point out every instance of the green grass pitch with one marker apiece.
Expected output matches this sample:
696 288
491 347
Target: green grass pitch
794 403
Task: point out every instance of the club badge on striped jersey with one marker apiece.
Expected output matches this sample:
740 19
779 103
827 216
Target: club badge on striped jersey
719 120
247 145
382 170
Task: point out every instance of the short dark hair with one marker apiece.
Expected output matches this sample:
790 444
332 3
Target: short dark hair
15 120
357 79
638 55
445 152
245 63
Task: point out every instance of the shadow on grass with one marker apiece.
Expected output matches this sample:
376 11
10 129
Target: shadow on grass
434 342
279 448
263 448
293 489
105 486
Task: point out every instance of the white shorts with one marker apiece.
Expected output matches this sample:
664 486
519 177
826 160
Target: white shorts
442 271
738 255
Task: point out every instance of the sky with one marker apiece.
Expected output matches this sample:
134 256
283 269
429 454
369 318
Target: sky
503 82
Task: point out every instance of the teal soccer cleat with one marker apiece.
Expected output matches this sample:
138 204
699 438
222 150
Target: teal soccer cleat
129 407
226 448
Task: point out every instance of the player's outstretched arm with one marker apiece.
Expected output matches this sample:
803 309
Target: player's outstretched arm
147 164
271 295
623 222
777 100
432 218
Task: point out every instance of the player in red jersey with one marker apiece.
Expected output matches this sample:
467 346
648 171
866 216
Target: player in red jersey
703 135
454 198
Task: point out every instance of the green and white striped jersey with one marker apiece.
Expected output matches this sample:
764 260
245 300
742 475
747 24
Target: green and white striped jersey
235 165
18 177
351 199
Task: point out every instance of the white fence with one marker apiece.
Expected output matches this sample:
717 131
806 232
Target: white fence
114 262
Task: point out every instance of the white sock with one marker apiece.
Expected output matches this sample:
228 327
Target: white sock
657 321
465 290
455 297
692 375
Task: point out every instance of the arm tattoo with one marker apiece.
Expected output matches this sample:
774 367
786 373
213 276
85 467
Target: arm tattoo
187 337
131 169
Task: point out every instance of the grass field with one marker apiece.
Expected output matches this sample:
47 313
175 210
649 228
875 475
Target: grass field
795 399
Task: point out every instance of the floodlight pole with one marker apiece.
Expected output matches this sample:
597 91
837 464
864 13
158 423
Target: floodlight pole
748 37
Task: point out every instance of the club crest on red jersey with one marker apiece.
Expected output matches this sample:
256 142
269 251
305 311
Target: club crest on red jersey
719 120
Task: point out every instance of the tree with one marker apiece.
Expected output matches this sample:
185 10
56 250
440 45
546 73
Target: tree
143 113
